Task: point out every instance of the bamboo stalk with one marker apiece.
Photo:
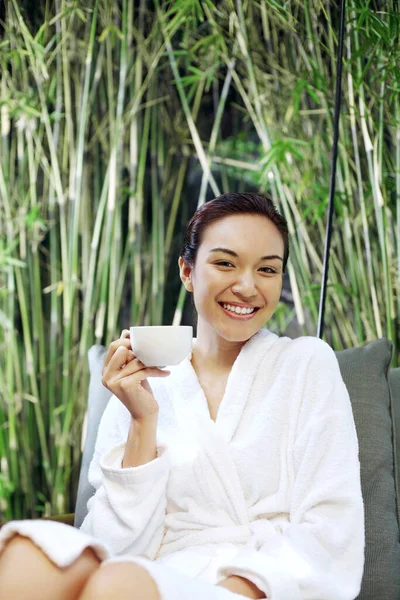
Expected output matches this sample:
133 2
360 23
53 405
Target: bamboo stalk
397 224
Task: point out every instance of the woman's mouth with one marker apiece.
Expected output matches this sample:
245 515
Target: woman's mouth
238 313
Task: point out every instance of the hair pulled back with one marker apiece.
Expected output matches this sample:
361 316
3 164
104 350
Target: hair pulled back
231 204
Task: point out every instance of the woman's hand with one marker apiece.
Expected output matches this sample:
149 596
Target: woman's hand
126 377
241 586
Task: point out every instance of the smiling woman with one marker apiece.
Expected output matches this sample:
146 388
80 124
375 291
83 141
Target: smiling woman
233 474
233 298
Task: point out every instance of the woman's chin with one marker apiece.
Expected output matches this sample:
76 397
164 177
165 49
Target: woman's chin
237 336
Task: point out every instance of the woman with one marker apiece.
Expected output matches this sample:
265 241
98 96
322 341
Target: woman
236 473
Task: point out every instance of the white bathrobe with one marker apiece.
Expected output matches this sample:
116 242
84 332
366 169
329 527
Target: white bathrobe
270 491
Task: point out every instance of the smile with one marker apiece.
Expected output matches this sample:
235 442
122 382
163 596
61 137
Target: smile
236 312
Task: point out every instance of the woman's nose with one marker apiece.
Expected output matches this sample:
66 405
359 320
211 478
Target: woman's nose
245 286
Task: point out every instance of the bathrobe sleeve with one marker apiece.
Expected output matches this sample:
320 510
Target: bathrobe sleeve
319 552
128 508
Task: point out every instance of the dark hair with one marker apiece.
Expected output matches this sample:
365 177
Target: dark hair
231 204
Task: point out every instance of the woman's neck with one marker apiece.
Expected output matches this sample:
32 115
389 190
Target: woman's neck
213 354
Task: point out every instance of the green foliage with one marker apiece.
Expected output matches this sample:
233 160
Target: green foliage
108 113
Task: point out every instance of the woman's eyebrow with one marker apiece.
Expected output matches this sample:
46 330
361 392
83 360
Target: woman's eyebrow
232 253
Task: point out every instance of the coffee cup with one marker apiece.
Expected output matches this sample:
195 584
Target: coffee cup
161 345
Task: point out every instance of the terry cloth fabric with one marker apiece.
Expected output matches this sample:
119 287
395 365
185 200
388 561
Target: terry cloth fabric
270 491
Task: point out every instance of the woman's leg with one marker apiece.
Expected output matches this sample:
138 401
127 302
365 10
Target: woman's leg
120 581
26 572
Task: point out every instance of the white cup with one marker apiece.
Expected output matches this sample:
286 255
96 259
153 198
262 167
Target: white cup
160 346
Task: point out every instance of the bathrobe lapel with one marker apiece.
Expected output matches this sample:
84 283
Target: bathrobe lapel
191 404
240 383
211 438
201 446
201 453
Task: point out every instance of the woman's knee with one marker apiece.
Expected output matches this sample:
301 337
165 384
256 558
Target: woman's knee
120 581
23 566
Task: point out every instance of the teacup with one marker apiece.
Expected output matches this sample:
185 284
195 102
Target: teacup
163 345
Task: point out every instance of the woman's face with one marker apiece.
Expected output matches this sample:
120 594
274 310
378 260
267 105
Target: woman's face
238 265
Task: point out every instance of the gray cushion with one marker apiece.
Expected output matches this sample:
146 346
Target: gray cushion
364 371
394 381
98 399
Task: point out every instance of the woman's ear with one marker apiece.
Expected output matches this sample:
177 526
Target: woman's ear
185 272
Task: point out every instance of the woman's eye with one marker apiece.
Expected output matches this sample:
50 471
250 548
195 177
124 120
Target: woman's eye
224 263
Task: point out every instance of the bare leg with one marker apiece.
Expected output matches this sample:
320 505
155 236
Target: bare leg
120 581
26 572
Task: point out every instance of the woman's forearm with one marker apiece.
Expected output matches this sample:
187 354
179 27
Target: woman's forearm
242 586
141 445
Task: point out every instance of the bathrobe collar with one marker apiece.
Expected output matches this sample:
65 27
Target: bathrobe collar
190 402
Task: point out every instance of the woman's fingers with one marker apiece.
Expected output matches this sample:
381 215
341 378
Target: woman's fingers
122 366
136 368
123 340
121 357
112 348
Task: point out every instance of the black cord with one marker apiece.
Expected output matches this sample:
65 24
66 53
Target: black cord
339 64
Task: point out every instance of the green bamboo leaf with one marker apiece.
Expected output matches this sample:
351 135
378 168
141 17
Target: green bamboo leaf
279 151
110 31
12 262
68 12
33 218
30 398
212 41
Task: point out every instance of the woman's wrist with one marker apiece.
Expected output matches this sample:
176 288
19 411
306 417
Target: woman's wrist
141 446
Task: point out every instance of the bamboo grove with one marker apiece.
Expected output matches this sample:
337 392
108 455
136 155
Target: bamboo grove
117 120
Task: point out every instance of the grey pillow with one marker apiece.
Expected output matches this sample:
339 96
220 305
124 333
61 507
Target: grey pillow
365 373
98 399
394 380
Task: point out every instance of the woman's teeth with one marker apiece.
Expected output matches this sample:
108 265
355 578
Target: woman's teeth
238 310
